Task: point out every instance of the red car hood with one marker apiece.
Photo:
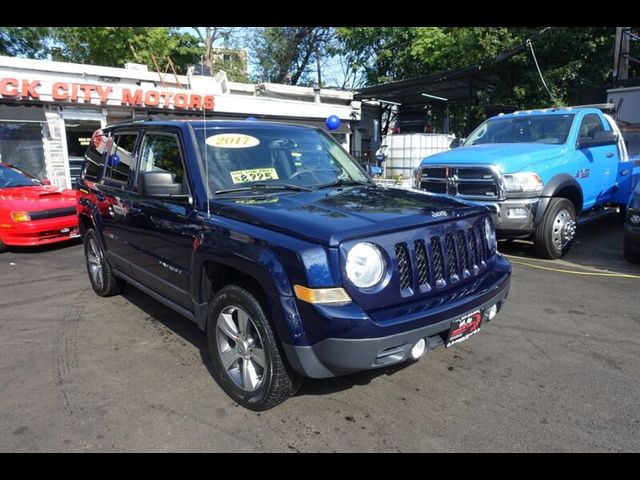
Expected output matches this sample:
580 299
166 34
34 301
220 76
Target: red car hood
32 199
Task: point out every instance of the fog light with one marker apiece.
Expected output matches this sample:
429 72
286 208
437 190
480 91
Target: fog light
418 349
517 213
635 219
491 313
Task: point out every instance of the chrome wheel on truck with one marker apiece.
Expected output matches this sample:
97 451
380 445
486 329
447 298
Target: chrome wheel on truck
555 234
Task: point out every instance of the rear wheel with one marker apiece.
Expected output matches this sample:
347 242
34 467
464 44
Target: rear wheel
554 236
247 361
103 281
631 255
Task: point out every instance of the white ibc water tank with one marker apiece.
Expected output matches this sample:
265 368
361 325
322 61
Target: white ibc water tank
404 152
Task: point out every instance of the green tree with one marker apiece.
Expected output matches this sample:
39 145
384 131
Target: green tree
24 41
570 59
115 46
229 58
290 54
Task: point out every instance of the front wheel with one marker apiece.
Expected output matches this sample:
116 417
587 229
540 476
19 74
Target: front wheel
247 361
554 236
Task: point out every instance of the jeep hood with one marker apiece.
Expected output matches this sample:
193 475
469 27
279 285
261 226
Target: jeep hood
508 157
330 216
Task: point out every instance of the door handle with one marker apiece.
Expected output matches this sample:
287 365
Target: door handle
609 154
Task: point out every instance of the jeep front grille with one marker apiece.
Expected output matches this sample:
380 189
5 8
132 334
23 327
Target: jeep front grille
476 182
441 260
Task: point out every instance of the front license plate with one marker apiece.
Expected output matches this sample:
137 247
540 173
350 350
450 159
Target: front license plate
464 327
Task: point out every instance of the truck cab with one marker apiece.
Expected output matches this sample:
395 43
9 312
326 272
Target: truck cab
540 173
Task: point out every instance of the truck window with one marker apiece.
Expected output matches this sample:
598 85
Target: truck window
552 129
591 124
120 158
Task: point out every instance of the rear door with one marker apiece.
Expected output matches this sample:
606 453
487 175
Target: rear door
114 195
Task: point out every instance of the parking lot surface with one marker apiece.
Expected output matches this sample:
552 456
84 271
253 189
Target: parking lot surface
557 370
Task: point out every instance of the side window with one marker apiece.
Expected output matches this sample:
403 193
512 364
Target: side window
120 158
590 125
94 156
162 153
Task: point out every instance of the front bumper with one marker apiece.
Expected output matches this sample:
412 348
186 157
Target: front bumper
513 217
40 232
340 356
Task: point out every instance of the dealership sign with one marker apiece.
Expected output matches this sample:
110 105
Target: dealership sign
97 94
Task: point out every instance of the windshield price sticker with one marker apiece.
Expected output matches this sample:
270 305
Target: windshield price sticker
254 175
232 140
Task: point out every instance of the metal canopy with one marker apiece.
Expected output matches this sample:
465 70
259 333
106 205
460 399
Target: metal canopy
455 86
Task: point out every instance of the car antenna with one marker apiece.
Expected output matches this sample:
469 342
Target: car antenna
206 161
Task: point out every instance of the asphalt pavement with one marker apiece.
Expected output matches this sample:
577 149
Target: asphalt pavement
557 370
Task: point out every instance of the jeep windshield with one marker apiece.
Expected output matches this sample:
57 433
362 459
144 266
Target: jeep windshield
551 129
260 157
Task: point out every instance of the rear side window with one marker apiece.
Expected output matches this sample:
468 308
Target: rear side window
94 156
120 158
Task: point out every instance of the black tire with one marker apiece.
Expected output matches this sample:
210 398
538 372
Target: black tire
109 284
552 226
630 255
2 246
274 381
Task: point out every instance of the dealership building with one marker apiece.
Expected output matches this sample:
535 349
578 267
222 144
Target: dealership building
48 110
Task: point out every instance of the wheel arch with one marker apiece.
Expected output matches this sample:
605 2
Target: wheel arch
560 186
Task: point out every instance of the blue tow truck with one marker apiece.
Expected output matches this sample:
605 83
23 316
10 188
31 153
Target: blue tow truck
540 172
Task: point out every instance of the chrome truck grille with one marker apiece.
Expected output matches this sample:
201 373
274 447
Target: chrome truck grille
470 182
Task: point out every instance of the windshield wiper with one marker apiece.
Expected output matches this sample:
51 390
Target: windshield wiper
340 182
266 186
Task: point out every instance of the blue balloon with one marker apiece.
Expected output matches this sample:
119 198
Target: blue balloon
252 119
332 122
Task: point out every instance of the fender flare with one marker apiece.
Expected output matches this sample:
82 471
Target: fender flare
551 189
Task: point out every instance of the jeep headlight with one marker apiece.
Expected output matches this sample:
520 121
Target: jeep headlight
365 265
525 182
490 235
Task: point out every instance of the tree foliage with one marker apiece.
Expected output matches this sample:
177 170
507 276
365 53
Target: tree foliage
571 59
25 41
115 46
290 54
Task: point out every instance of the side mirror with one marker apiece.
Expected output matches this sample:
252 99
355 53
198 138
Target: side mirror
603 137
455 143
161 185
45 181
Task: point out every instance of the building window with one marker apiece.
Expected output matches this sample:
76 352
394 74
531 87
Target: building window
21 146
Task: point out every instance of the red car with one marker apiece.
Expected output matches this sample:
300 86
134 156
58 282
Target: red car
32 213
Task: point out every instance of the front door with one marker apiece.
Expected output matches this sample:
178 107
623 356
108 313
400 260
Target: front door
159 228
597 166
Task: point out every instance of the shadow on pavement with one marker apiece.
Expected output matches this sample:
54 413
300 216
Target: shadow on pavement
597 245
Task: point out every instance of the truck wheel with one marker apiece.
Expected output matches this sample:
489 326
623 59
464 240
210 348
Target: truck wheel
554 236
629 254
103 281
247 362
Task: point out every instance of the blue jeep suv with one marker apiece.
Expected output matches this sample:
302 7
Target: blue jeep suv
283 250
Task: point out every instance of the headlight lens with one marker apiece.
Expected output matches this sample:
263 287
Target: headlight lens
526 182
490 235
365 265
